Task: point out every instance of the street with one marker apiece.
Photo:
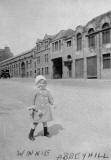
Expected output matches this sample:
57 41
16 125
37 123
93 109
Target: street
81 127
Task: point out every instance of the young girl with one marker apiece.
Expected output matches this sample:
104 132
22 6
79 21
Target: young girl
41 111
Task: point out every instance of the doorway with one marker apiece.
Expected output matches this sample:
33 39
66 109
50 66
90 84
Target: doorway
79 68
57 68
92 67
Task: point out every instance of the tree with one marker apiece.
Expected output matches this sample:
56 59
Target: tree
5 54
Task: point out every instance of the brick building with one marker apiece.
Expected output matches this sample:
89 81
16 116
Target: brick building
80 53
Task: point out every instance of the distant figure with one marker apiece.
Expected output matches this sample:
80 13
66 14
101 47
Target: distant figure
40 110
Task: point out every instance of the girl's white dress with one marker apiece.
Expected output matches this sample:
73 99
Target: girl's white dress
43 103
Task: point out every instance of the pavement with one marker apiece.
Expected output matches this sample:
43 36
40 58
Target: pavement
81 126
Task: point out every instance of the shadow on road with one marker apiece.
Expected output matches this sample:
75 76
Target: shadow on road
53 130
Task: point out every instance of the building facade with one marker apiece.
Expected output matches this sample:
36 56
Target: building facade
81 53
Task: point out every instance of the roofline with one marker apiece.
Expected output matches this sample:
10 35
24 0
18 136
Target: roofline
94 19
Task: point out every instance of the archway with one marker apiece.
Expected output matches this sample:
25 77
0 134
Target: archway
57 68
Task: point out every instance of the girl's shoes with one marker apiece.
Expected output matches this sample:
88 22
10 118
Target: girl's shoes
31 134
46 133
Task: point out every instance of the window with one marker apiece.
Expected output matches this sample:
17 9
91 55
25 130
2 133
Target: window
35 64
42 71
105 33
56 46
106 61
91 38
38 47
60 44
46 70
27 64
30 73
46 45
27 74
38 60
30 63
79 41
38 71
69 43
52 47
46 57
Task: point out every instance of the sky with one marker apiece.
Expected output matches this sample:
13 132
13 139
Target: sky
22 22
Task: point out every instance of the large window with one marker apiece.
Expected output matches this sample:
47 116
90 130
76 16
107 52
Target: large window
91 38
30 73
56 46
46 57
60 44
46 70
106 61
27 64
38 47
105 33
35 64
42 71
52 47
30 63
79 41
69 43
46 45
38 71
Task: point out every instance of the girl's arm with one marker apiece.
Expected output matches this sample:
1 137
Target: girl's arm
34 100
51 100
